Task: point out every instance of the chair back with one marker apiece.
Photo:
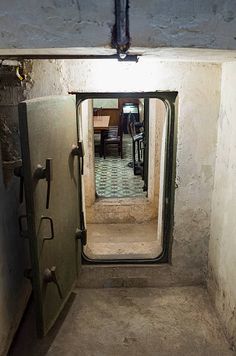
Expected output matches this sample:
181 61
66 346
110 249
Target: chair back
120 125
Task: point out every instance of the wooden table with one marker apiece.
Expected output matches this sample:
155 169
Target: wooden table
101 123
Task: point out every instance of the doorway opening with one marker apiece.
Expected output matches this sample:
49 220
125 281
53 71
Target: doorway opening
120 147
127 224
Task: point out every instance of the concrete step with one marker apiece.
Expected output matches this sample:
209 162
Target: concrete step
120 276
122 241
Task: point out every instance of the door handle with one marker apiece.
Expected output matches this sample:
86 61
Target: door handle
45 173
49 276
18 172
51 227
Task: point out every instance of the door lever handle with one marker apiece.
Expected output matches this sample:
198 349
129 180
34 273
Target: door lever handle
45 173
18 172
49 276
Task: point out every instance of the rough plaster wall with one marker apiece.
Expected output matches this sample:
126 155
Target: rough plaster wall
199 95
82 23
183 23
157 115
55 23
14 288
86 110
45 79
222 250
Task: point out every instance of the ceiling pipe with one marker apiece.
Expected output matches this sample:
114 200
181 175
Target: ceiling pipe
120 34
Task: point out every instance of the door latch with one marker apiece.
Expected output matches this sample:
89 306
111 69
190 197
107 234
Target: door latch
18 172
49 276
45 173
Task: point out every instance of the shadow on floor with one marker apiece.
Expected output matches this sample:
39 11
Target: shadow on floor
26 342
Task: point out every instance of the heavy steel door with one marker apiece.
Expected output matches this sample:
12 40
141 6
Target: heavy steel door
50 171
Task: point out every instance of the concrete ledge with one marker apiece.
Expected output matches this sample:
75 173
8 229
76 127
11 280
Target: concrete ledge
113 276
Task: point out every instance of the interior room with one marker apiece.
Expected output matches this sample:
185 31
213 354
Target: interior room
119 136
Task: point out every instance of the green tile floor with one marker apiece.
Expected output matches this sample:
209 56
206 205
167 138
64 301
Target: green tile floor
114 178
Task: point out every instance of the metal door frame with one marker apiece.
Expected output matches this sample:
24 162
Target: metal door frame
169 98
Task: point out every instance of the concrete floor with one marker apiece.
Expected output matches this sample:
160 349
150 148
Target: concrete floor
131 321
122 241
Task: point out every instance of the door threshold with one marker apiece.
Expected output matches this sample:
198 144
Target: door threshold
162 258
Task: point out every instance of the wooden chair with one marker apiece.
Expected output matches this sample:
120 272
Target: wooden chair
114 136
97 143
137 147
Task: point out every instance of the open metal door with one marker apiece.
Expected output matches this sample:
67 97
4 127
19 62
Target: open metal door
48 132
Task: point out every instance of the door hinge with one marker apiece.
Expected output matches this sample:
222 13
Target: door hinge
79 151
18 172
81 234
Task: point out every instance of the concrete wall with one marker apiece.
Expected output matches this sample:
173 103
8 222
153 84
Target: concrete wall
55 23
14 288
198 85
183 23
157 120
222 250
82 23
86 114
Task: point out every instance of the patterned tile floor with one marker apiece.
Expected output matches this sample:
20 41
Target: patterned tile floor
114 178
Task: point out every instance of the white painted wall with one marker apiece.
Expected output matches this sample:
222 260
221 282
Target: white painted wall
86 117
198 85
222 250
106 103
